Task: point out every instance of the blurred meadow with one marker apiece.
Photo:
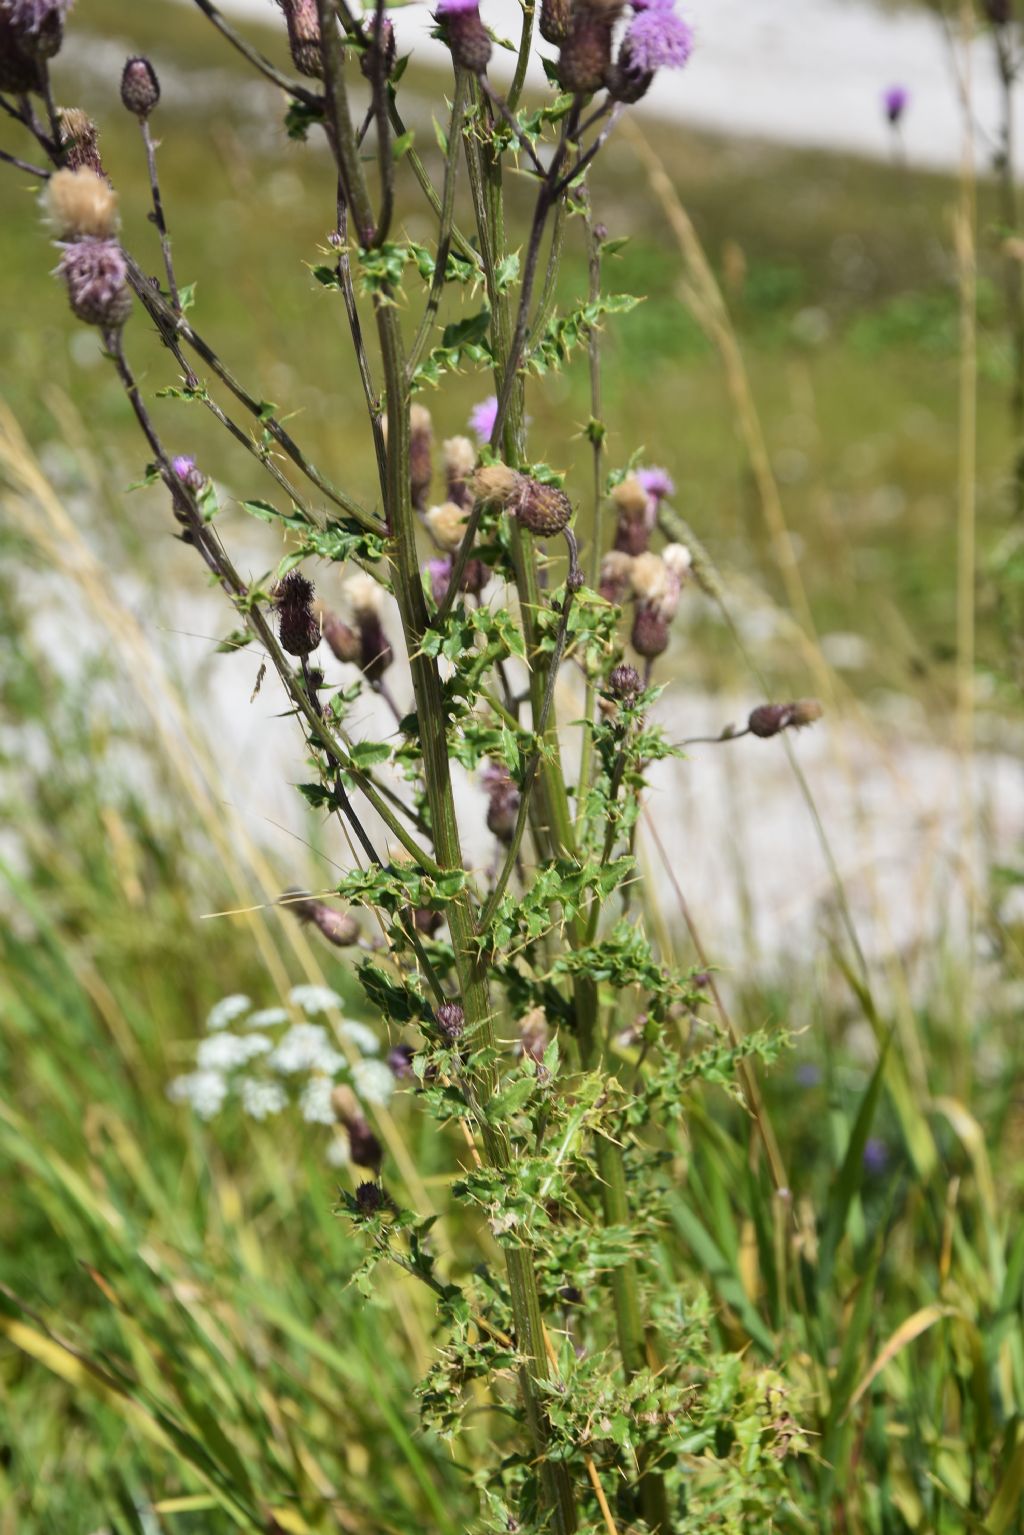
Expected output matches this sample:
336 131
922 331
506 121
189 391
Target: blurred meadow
181 1348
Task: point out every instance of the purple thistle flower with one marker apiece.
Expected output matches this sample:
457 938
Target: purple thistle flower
456 7
97 280
440 573
895 100
658 483
183 466
32 16
657 38
483 416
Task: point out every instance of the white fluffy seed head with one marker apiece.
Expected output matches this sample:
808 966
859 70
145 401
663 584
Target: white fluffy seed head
649 577
447 524
365 596
81 205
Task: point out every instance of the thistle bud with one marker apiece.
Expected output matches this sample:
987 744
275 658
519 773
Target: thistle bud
400 1059
370 1199
382 50
365 1148
81 205
339 927
342 640
303 23
79 141
503 799
555 20
650 631
187 472
465 34
624 682
586 53
298 625
140 88
771 719
451 1020
543 509
421 469
96 275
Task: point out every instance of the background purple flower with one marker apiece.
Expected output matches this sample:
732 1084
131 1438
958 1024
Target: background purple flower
895 100
657 483
483 416
439 573
658 38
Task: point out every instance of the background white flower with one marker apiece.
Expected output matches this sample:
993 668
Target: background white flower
339 1153
364 1039
226 1011
373 1081
260 1099
267 1018
223 1052
314 999
204 1090
306 1047
315 1102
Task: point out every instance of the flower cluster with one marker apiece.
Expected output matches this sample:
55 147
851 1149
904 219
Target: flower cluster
657 37
271 1058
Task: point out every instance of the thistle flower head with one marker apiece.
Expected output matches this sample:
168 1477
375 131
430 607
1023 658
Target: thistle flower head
303 23
503 798
497 484
464 32
895 100
772 719
382 50
370 1199
400 1059
421 441
365 595
657 38
451 1019
459 462
79 141
638 513
678 560
483 416
298 626
543 509
340 928
658 483
184 469
616 571
342 640
96 275
624 682
650 631
649 577
81 205
37 25
439 574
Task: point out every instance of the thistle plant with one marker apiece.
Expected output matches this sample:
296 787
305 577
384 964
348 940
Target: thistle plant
519 1005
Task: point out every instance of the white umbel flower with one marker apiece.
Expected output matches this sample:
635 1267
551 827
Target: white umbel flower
226 1011
225 1052
262 1099
314 999
306 1047
339 1153
267 1018
204 1091
364 1039
373 1081
315 1102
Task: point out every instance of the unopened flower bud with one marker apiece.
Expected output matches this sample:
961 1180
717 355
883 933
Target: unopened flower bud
650 631
771 719
543 509
370 1199
339 927
20 71
79 141
96 275
140 88
400 1059
465 34
81 205
586 54
365 1148
421 469
303 23
375 652
382 51
624 682
555 20
342 640
451 1020
186 471
298 625
427 921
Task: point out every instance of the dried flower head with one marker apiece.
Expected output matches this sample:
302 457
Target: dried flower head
140 88
678 560
81 205
649 577
464 32
446 525
483 416
421 440
637 513
771 719
459 463
616 576
543 509
586 54
298 625
303 25
365 596
534 1034
451 1020
96 275
503 800
79 141
496 484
